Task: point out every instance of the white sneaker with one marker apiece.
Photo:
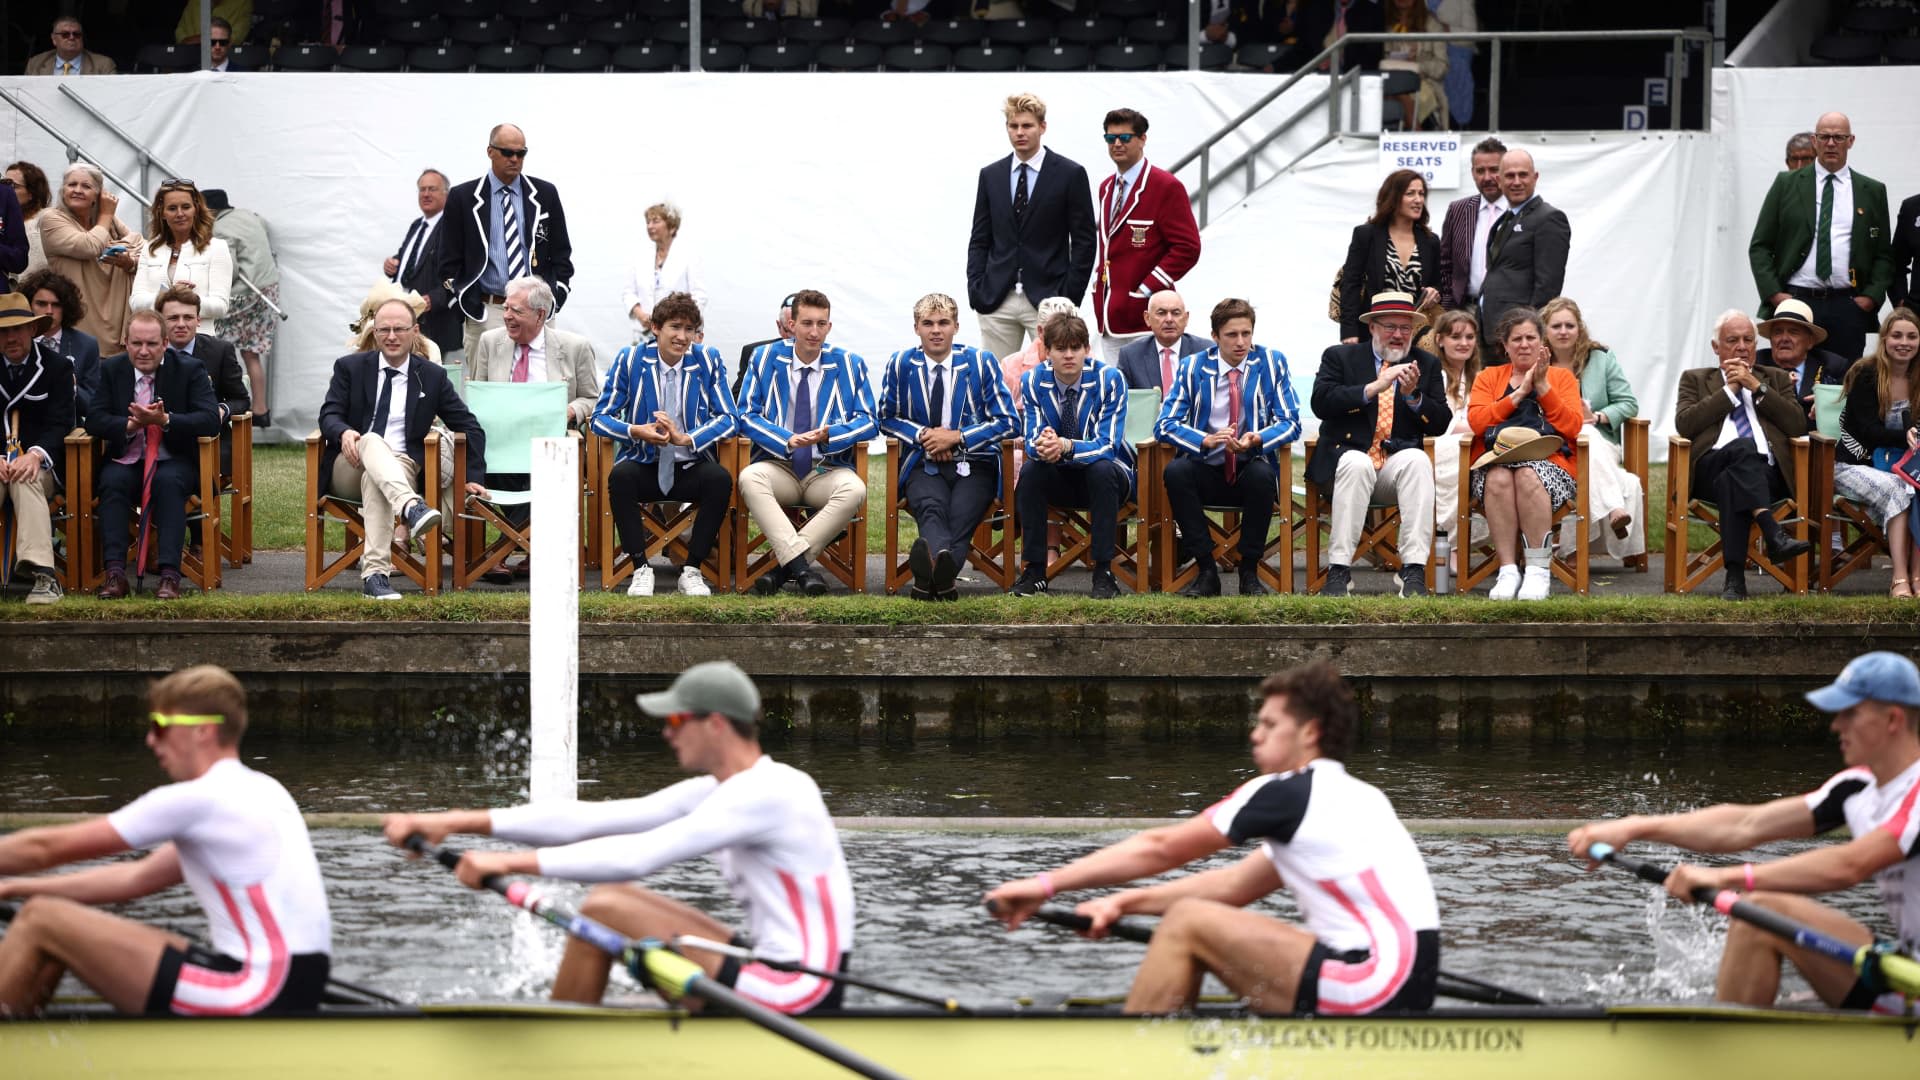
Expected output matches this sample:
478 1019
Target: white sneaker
642 582
1538 581
693 582
1507 585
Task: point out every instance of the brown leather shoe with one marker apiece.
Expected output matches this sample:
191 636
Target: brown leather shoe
169 589
116 588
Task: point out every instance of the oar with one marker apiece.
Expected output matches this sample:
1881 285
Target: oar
689 941
1874 962
650 960
1458 987
367 995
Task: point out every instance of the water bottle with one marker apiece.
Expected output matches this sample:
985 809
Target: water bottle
1443 568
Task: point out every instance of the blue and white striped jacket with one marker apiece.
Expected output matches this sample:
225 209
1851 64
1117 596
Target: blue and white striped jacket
843 403
982 405
1103 413
1266 400
631 395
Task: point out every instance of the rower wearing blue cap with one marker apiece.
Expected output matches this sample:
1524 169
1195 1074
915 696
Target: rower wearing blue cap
1876 713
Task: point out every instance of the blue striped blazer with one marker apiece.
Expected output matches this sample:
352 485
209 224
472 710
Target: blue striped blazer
1103 413
631 395
982 404
843 403
1266 400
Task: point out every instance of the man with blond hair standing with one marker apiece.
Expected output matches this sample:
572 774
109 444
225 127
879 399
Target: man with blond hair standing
1033 233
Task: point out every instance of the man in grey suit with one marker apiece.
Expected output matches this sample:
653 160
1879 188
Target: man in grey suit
1527 247
1149 363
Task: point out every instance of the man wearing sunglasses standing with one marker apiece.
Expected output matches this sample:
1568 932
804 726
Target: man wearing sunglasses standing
764 823
1148 238
232 835
505 225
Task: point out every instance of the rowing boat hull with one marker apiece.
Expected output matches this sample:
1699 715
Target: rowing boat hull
514 1042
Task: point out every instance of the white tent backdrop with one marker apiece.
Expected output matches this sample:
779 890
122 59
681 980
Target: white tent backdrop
863 185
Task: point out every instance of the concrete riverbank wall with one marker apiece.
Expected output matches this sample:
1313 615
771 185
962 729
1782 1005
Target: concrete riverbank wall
1466 683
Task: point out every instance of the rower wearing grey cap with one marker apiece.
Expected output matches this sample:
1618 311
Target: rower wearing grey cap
764 823
1876 712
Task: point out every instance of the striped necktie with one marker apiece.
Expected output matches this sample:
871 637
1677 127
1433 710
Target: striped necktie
510 228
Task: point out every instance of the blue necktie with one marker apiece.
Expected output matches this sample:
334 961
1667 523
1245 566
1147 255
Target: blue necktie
937 407
1743 426
802 422
384 406
1070 414
669 404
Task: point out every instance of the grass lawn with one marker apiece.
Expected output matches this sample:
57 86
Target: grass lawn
279 523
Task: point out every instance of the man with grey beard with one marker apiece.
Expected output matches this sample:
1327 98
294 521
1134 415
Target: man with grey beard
1378 401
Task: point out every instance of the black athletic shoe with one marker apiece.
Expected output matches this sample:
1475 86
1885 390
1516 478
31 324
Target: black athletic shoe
1413 581
1032 582
1735 588
920 565
1339 581
1251 585
1206 582
1105 587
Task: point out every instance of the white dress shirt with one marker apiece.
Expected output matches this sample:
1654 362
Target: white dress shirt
944 366
536 357
420 237
1489 215
396 432
1743 399
1841 231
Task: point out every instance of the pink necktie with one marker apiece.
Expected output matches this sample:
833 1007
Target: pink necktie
1233 424
1166 369
137 442
520 365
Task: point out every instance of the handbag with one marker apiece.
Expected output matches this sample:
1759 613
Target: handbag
1333 298
1907 468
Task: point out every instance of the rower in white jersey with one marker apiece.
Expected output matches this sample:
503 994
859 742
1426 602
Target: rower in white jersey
1372 935
1876 713
764 823
232 834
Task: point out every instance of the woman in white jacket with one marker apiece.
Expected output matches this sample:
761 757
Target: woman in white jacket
671 270
184 251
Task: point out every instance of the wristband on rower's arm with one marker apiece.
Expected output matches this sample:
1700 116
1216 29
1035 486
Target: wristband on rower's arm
1748 869
1046 882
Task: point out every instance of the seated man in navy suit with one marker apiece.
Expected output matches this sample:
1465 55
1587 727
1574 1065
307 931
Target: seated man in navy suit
1075 423
950 407
1378 401
153 406
1150 362
1229 409
1794 341
374 423
665 405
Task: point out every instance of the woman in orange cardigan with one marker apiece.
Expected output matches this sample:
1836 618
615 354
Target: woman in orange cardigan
1519 497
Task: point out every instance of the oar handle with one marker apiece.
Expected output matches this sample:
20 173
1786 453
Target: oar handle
1645 871
1071 920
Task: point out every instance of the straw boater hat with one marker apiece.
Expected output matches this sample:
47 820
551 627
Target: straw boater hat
17 310
1516 444
1793 313
1394 303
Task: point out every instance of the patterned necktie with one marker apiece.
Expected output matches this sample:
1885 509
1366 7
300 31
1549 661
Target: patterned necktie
137 442
1823 244
1020 196
669 404
802 423
1070 414
510 228
1119 199
520 364
1166 370
411 246
1497 236
1233 420
1382 427
1744 426
383 407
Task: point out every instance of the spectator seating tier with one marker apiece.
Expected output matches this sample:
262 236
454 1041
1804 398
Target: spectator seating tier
1061 57
927 57
860 56
430 31
1127 58
815 31
380 58
986 58
480 32
883 33
647 56
722 58
614 33
794 57
954 32
505 59
167 58
304 58
1096 30
441 59
585 56
745 33
1019 32
548 33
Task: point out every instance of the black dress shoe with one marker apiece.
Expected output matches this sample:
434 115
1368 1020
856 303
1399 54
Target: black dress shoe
1735 588
1251 585
920 565
770 582
813 582
1206 582
1784 548
1106 587
499 575
945 570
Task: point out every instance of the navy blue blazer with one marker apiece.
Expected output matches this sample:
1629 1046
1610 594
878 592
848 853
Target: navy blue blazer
82 350
181 384
1347 418
1139 361
1051 250
352 397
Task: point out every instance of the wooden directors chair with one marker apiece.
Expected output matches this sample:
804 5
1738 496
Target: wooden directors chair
325 509
994 552
845 558
513 415
667 523
1379 536
1478 562
1687 569
1223 528
203 517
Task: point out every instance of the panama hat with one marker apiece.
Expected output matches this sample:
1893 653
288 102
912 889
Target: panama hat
16 310
1394 303
1516 444
1793 313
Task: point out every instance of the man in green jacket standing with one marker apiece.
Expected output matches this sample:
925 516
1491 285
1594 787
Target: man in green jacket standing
1823 236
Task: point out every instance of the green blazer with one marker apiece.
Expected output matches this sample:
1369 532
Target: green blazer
1604 384
1783 236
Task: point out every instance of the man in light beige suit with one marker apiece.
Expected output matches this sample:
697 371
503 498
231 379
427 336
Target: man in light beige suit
69 55
526 349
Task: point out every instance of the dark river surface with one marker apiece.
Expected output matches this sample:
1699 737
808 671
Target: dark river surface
1515 909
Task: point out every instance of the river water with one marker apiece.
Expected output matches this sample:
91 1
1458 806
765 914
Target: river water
1515 909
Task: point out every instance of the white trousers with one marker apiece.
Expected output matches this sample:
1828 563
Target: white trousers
1004 329
1407 477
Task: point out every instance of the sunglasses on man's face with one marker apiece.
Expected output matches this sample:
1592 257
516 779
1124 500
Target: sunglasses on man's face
679 719
219 42
506 153
1121 137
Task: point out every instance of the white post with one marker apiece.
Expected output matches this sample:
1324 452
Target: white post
553 630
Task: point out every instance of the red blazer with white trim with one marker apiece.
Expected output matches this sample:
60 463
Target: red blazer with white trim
1148 246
